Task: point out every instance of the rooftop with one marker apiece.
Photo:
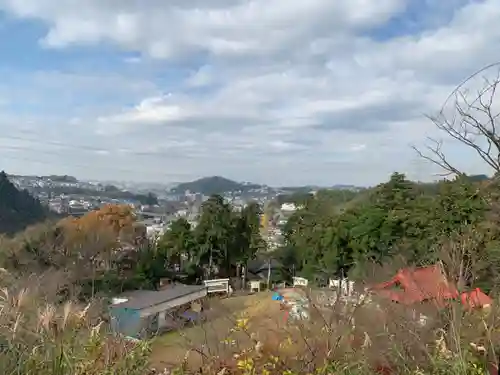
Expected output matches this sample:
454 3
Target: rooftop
418 285
142 299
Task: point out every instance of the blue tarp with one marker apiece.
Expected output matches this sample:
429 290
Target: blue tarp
277 297
191 316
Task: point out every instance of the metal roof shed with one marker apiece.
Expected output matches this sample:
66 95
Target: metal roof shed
143 312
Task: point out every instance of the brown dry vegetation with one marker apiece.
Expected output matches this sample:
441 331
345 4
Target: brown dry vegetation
353 340
246 335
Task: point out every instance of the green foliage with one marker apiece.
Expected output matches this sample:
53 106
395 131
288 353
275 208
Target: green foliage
213 233
222 239
398 218
177 241
18 209
334 233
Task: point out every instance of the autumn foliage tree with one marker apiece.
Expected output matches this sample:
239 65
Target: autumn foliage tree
94 238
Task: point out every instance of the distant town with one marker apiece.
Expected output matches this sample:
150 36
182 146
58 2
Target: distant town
158 206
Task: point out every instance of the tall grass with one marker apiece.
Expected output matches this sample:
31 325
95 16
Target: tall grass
40 338
349 338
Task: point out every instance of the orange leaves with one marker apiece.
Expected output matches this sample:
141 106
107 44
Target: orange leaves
107 226
117 218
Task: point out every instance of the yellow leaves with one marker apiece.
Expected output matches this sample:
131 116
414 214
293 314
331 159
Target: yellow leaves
246 365
242 324
274 359
441 348
287 343
229 342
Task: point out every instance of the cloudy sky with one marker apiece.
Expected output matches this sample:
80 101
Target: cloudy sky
272 91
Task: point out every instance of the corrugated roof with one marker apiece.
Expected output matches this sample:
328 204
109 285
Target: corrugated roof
141 299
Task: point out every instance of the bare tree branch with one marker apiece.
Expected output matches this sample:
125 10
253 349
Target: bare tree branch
472 122
436 156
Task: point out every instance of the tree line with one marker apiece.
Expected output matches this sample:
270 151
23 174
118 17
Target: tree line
333 234
18 208
108 251
416 224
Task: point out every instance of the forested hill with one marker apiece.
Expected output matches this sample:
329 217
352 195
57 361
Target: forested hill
18 209
398 221
214 185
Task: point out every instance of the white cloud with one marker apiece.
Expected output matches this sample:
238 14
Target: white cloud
337 89
150 110
357 147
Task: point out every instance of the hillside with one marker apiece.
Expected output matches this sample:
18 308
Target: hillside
214 185
53 178
18 208
220 185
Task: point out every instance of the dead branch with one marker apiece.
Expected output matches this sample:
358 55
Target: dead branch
472 122
436 156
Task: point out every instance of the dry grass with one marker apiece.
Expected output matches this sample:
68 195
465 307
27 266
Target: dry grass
338 340
248 336
70 339
196 343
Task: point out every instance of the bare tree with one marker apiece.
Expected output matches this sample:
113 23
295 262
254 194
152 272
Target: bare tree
472 122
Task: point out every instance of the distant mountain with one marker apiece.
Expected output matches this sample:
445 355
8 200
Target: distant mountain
214 185
478 177
18 209
220 185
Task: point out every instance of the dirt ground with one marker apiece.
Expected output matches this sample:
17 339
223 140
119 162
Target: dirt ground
174 347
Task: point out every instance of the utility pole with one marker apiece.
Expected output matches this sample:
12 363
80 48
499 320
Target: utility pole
210 264
268 273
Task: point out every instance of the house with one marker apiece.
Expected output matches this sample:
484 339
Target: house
141 313
410 286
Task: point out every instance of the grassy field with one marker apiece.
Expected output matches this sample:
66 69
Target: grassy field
193 343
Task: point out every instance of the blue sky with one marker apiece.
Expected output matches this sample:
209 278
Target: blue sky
273 91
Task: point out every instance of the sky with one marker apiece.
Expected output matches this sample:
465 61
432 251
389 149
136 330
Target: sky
282 92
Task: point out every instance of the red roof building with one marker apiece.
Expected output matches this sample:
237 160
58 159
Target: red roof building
410 286
475 299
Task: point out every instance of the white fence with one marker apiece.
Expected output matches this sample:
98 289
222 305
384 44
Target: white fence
218 286
300 281
344 287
